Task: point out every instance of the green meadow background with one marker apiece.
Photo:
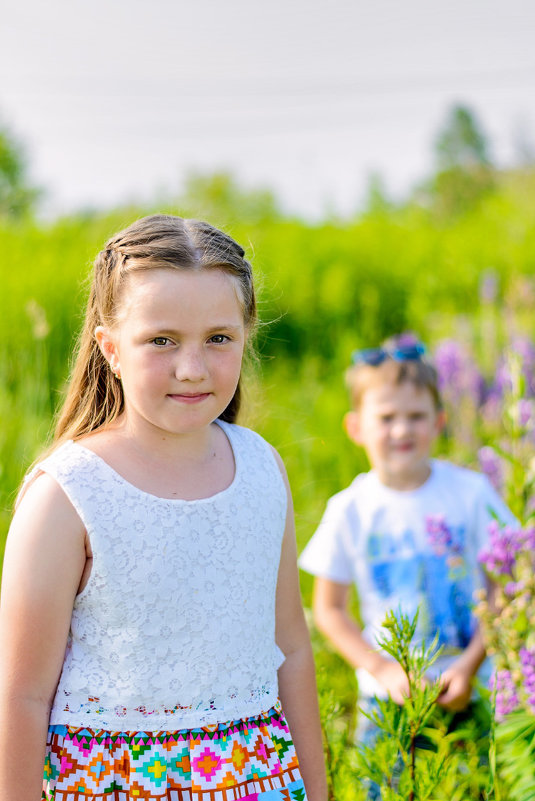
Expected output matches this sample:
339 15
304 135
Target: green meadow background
325 288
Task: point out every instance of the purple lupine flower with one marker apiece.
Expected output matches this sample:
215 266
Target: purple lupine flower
527 660
527 539
503 383
525 412
492 409
513 587
506 694
488 287
458 374
492 465
502 379
449 360
500 555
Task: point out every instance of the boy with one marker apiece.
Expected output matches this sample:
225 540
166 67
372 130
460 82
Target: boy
407 533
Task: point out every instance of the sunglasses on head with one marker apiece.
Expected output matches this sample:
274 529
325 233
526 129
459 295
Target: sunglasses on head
400 353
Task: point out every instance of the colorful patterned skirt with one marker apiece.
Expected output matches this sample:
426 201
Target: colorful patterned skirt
252 759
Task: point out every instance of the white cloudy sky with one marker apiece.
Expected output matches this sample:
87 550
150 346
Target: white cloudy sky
118 99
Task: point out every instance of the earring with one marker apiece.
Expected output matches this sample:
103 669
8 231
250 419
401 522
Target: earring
115 372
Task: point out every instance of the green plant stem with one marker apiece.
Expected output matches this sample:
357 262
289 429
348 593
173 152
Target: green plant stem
331 765
413 765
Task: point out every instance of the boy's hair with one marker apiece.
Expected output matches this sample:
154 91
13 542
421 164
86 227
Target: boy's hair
419 372
94 395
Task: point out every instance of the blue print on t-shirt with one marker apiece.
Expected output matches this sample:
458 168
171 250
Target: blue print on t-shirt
398 577
408 578
448 603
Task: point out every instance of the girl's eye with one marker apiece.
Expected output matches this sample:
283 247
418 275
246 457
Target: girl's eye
160 341
219 339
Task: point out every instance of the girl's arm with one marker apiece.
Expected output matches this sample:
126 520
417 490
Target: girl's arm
297 678
333 619
44 561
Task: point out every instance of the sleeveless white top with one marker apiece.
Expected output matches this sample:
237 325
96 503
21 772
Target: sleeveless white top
176 625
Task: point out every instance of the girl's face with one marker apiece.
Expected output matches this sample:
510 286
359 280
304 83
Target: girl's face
177 346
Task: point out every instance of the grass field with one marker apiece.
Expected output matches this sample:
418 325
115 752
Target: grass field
325 290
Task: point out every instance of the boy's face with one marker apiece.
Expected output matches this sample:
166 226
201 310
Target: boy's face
397 425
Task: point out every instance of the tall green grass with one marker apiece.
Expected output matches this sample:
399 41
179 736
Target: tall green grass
326 289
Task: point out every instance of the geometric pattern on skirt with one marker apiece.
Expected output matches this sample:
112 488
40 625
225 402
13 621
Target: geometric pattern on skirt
252 759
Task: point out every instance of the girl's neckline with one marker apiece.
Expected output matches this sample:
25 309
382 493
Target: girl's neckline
227 430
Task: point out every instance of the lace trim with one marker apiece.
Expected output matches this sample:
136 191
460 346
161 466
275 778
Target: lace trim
87 710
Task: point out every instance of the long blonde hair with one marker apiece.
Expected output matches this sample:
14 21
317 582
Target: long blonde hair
94 395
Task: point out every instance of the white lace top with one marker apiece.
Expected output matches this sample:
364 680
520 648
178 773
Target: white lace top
176 625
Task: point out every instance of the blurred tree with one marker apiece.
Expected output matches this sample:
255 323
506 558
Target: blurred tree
461 143
465 173
17 197
219 198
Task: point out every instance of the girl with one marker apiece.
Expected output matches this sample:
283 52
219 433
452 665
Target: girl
150 614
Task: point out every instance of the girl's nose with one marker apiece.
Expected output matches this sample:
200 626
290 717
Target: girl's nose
190 364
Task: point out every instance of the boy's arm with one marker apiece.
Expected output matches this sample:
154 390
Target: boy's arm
333 619
297 677
457 680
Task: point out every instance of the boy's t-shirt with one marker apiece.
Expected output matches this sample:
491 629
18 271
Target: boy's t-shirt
409 550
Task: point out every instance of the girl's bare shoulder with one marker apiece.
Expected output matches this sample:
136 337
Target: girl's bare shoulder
43 506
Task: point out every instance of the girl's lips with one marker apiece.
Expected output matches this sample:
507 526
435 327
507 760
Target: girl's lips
197 398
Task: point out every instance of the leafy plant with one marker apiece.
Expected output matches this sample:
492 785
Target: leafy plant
417 755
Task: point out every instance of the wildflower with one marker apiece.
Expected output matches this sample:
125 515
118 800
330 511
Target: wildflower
488 287
458 375
523 357
504 544
491 410
527 661
525 412
506 695
513 587
492 465
527 538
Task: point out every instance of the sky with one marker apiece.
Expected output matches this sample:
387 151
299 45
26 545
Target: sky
118 101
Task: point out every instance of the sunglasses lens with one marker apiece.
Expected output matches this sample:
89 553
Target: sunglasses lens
376 356
409 352
371 356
